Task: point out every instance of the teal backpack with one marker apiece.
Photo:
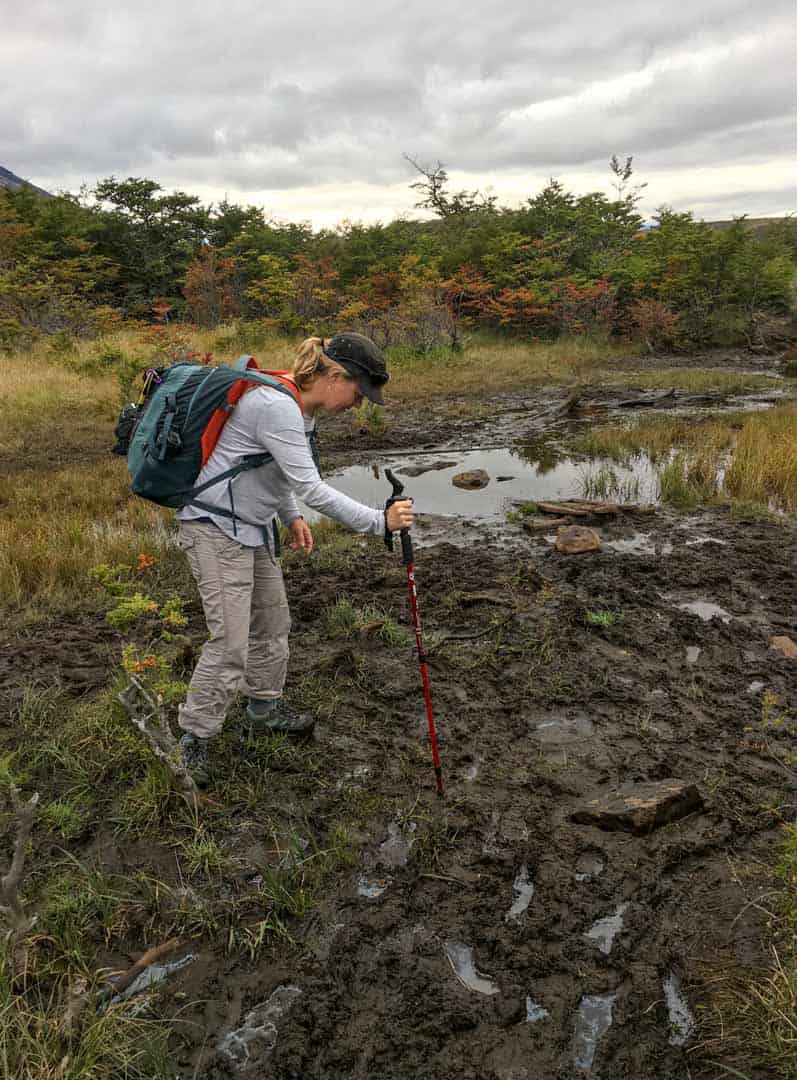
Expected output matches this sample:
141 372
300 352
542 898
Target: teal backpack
169 435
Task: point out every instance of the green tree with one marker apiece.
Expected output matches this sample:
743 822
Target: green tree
152 238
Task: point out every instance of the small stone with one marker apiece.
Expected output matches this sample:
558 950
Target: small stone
471 480
577 540
785 645
639 808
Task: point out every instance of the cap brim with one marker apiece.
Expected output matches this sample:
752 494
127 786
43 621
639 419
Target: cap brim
370 390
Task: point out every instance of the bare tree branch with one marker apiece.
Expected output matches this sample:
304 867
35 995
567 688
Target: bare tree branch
12 909
147 715
436 197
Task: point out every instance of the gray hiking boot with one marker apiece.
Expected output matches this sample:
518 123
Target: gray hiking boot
194 752
276 716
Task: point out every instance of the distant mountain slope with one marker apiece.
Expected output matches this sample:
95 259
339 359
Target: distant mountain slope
14 183
759 224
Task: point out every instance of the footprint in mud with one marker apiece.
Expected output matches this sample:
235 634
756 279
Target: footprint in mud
605 930
395 850
522 892
535 1012
593 1020
682 1022
460 956
589 866
255 1039
706 610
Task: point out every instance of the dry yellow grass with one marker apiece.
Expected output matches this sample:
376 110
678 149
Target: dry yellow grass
496 367
689 380
764 464
757 453
65 501
39 397
52 532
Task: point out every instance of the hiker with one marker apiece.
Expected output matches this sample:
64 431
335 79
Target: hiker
234 555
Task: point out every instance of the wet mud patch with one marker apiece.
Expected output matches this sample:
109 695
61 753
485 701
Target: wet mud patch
550 947
492 936
75 653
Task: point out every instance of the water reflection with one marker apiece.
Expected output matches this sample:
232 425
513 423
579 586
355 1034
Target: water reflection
529 474
543 456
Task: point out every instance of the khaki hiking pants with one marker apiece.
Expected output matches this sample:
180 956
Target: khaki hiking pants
246 610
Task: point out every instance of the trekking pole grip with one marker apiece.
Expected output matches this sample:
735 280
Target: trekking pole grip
398 489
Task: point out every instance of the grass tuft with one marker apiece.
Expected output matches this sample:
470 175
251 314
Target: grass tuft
36 1043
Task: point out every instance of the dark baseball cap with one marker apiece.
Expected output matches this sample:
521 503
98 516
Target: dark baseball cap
362 359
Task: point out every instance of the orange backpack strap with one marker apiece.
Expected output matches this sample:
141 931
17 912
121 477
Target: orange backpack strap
221 415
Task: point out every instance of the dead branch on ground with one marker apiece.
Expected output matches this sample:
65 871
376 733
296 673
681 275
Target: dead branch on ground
12 910
147 714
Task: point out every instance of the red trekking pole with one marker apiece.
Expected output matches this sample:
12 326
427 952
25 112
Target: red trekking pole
408 560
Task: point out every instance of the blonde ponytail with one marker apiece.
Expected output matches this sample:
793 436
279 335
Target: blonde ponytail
311 361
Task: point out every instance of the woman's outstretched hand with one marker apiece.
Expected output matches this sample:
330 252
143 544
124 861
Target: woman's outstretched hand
301 537
399 515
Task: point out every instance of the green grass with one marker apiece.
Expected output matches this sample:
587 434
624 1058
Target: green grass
202 854
369 418
343 620
688 380
747 459
88 756
753 1023
79 908
604 617
604 483
35 1044
688 481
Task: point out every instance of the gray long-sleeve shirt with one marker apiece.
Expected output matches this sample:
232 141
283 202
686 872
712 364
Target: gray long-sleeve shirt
266 419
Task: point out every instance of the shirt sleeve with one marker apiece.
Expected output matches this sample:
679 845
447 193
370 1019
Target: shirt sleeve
280 430
288 510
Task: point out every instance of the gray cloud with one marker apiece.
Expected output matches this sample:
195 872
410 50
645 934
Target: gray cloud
239 96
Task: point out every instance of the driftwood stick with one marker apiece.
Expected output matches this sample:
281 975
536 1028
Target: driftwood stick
122 980
12 909
147 715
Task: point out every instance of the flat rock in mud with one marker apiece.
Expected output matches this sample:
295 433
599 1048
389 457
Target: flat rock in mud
543 524
577 540
639 808
785 645
580 508
419 470
471 480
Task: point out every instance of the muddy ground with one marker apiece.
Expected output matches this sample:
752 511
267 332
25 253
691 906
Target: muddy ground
536 716
540 707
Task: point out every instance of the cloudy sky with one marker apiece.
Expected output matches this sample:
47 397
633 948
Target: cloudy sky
307 110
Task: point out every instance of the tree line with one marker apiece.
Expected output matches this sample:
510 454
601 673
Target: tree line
557 264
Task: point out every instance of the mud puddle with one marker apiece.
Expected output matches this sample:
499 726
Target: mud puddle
509 478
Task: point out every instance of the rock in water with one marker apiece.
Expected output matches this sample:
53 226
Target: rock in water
639 808
576 540
475 478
